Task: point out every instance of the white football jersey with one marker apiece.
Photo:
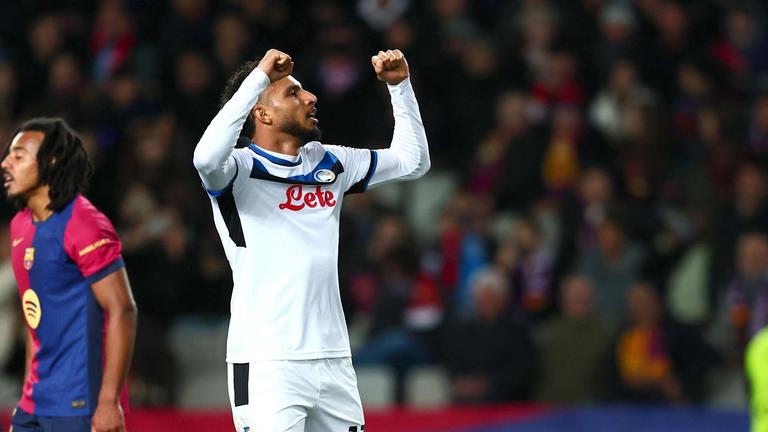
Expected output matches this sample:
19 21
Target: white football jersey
278 219
279 224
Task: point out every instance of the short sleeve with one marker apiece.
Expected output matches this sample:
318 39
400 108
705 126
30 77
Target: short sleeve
359 166
92 242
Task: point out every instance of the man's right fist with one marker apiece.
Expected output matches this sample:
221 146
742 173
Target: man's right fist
276 64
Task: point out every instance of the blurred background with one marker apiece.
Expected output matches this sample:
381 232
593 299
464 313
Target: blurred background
593 233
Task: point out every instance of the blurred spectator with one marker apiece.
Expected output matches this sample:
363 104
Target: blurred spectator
232 42
574 347
113 39
610 104
617 23
613 266
490 355
379 15
465 245
758 132
508 160
748 292
657 359
581 213
9 304
747 209
8 91
744 48
530 264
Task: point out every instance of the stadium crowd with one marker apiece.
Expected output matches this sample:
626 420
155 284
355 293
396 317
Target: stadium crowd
606 237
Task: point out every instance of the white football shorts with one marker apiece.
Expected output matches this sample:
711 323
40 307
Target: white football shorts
295 396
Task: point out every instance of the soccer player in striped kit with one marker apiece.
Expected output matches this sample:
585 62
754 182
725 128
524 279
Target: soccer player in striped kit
276 205
75 295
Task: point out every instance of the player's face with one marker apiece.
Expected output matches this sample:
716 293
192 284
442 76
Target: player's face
295 109
20 169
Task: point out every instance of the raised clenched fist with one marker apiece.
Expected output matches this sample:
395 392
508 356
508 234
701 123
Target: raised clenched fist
390 66
276 64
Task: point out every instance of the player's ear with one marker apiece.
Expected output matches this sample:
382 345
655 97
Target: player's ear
261 114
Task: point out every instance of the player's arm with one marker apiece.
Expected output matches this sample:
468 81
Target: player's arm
113 293
408 155
212 154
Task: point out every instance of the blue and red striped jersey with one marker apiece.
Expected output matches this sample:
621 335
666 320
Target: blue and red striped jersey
56 262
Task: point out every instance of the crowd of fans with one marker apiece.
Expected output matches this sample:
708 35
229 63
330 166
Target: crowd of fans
608 238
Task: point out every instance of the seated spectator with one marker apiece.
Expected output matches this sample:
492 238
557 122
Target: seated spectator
747 296
574 347
490 355
529 261
613 266
657 359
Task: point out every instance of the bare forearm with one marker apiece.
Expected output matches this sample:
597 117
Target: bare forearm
121 334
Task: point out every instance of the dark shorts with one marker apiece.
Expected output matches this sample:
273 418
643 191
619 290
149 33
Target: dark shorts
24 422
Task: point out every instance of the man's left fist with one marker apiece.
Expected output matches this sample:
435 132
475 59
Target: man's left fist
390 66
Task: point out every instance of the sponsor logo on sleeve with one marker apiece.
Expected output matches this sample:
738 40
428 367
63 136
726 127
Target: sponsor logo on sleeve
92 247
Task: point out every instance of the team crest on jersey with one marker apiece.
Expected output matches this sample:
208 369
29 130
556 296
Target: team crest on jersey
32 311
29 257
325 176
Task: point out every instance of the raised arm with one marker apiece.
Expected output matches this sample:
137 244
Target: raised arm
408 155
212 154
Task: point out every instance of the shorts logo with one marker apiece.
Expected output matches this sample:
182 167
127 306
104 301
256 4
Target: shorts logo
31 304
246 428
29 257
325 176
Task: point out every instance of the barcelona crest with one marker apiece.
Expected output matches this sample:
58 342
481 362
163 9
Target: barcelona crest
29 257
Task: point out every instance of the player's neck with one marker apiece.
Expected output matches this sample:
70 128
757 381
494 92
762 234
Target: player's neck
38 202
279 143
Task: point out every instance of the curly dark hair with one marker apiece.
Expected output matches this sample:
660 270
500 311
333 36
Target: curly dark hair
234 82
63 164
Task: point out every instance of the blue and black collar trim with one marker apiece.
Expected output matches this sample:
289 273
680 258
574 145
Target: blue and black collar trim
274 159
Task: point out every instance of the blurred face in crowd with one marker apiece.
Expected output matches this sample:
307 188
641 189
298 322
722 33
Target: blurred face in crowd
622 77
192 73
752 255
490 296
643 304
750 188
526 237
610 237
740 27
595 186
45 37
20 168
760 114
577 298
290 109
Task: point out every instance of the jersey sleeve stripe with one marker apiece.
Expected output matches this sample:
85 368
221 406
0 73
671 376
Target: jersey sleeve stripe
106 271
362 185
216 193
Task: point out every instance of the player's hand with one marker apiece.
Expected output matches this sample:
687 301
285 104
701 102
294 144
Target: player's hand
276 64
390 66
108 418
